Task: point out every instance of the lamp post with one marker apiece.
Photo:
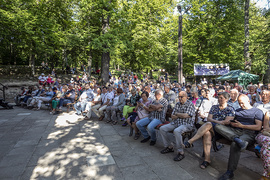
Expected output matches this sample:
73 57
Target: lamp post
180 44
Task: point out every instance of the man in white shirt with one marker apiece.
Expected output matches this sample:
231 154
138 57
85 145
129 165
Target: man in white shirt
42 79
99 111
95 104
86 96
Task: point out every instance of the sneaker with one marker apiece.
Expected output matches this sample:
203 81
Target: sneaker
145 140
166 150
152 143
125 124
123 119
227 176
241 143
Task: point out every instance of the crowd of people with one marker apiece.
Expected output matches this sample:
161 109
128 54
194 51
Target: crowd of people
228 111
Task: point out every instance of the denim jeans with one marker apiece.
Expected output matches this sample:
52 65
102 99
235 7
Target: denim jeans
151 124
64 102
80 106
230 133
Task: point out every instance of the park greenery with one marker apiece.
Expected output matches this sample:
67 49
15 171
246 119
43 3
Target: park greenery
127 34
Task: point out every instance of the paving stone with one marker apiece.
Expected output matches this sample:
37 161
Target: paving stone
139 172
102 173
15 160
172 172
21 150
13 172
23 114
38 146
100 160
124 159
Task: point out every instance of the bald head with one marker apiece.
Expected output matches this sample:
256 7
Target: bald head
244 101
183 93
182 97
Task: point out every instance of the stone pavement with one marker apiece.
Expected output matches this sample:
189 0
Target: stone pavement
37 145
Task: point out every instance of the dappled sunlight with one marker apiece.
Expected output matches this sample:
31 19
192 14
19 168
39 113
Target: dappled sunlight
79 149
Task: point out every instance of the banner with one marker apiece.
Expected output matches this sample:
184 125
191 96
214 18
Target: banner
211 69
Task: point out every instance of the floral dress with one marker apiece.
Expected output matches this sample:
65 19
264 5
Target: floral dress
220 115
264 142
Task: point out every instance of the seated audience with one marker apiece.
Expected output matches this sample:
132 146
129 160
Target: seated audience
158 110
96 103
44 98
105 100
263 139
20 96
116 105
131 104
233 100
85 97
182 121
142 111
219 114
242 131
42 79
69 97
55 99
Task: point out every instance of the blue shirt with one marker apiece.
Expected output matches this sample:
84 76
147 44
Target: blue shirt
235 104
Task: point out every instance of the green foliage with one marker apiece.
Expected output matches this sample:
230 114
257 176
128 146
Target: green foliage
142 35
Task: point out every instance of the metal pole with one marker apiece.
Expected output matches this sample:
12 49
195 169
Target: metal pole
180 53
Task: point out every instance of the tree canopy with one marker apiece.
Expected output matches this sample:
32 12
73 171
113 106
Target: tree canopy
138 35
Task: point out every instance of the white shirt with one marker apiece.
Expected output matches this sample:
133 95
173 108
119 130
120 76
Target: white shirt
42 78
115 100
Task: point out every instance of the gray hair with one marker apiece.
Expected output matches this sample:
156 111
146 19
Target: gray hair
234 90
159 91
224 94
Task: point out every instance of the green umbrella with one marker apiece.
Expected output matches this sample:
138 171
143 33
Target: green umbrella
242 77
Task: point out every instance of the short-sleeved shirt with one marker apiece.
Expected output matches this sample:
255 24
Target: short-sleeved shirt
134 99
170 96
105 97
262 106
159 114
72 96
248 116
235 104
189 108
221 114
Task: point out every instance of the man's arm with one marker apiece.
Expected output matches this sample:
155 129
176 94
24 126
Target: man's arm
224 122
182 115
153 107
188 114
256 127
266 121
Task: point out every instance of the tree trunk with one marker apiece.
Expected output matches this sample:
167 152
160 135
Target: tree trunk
33 64
180 52
246 43
105 59
89 62
267 74
65 63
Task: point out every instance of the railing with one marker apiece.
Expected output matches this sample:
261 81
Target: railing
3 89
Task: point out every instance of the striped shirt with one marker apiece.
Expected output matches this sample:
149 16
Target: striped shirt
159 114
188 108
